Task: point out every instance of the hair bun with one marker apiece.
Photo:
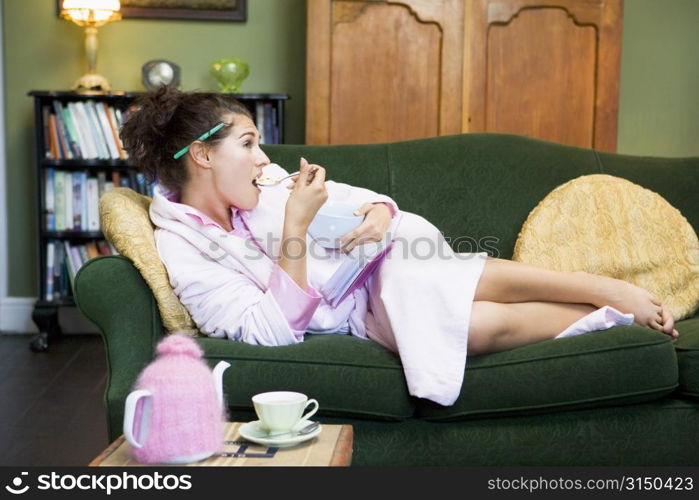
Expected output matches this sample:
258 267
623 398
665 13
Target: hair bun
178 344
162 104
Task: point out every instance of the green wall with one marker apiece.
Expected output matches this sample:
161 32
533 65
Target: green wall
42 52
658 96
659 115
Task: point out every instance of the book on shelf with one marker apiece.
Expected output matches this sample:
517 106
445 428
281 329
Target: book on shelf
114 126
71 130
83 256
50 262
46 119
54 152
59 200
269 125
96 129
106 129
91 250
267 122
50 205
68 197
260 120
104 248
67 260
77 201
70 263
66 142
276 130
83 201
60 287
85 130
101 183
89 151
71 199
93 216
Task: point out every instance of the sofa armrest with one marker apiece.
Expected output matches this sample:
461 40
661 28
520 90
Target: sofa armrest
111 293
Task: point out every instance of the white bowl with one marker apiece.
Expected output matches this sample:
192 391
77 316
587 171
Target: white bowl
333 220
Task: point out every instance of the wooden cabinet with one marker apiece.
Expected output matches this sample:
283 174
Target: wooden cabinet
382 71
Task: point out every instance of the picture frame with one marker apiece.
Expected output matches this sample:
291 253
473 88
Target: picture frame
230 10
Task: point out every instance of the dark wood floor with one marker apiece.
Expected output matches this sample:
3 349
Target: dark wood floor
51 403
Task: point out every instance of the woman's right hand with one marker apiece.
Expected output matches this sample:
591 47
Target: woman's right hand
306 197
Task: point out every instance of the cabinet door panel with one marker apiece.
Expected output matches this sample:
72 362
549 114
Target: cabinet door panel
557 101
381 71
548 70
385 85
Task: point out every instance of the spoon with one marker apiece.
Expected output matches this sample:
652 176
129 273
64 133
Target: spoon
272 181
301 432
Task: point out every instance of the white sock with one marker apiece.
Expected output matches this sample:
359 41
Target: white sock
601 319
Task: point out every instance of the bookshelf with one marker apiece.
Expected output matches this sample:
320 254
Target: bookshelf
78 157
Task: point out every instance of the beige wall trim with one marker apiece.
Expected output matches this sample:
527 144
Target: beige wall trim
16 317
4 284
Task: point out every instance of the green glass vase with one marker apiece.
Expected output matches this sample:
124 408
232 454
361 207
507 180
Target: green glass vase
229 73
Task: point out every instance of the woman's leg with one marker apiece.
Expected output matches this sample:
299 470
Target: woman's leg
507 281
496 327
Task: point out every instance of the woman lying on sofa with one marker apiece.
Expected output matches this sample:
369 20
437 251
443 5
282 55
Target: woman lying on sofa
238 256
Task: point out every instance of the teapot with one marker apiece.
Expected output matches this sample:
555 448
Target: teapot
176 413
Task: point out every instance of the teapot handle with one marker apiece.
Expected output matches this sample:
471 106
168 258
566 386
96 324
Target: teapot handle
130 417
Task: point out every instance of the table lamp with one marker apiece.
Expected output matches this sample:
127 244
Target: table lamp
91 14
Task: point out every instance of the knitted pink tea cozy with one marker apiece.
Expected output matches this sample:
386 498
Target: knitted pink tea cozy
184 417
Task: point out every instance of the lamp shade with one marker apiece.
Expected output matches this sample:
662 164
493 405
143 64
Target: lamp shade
91 12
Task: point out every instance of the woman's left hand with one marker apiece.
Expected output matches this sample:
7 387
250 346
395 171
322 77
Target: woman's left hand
373 228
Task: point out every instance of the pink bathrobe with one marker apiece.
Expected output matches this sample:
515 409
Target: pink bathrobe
418 302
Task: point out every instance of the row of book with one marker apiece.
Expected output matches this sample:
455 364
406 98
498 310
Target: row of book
267 123
71 199
89 130
83 130
63 260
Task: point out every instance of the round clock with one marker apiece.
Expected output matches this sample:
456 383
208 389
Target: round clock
160 72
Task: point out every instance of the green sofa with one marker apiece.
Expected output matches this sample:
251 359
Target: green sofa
624 396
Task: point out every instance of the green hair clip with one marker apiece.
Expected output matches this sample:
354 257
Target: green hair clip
202 137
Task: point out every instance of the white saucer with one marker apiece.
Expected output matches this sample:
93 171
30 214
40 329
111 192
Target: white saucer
253 431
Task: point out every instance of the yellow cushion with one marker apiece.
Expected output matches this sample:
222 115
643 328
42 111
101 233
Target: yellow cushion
126 224
609 226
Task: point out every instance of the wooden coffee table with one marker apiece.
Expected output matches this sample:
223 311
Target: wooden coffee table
332 447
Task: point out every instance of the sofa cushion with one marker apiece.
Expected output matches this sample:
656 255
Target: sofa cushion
348 376
126 224
484 185
610 226
610 367
687 347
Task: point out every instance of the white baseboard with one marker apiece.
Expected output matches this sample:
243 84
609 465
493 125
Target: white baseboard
16 317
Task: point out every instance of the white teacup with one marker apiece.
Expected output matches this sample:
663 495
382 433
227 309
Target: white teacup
280 411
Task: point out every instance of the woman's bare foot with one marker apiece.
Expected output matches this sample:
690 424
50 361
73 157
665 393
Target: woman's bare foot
669 323
627 298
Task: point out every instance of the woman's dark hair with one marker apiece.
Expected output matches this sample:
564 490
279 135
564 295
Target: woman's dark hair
165 120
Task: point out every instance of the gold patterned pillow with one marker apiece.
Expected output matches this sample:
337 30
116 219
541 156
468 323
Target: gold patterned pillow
125 222
610 226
